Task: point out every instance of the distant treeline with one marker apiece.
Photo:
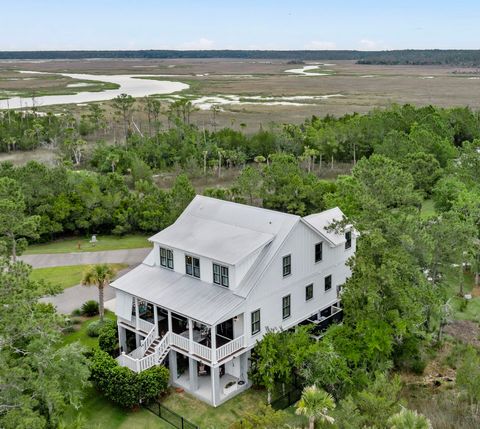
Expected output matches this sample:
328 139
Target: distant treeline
459 57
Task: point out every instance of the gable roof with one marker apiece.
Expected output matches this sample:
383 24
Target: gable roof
321 221
222 230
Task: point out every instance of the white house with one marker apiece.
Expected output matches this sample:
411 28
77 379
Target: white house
217 279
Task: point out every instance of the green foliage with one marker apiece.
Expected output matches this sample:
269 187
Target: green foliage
371 407
265 417
39 377
468 375
316 405
108 337
89 308
123 386
408 419
93 329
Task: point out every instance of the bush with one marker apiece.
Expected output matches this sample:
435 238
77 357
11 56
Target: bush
123 386
90 308
93 329
108 338
77 312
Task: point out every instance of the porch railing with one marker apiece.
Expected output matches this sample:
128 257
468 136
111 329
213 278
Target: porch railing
143 325
230 348
149 339
145 362
180 342
202 351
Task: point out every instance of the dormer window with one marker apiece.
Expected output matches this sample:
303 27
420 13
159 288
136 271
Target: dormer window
166 258
192 266
220 275
348 239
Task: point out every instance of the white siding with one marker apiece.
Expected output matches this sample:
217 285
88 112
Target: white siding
267 295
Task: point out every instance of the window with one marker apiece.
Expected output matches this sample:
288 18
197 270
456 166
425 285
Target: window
287 265
220 275
318 252
328 283
286 307
348 239
255 322
192 266
166 258
309 292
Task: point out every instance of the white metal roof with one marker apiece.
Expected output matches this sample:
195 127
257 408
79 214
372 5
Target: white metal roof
321 221
222 230
204 302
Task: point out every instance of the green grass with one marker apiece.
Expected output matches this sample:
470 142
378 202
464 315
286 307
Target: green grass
428 209
105 242
207 417
66 276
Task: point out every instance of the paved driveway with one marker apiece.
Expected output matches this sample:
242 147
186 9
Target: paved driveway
124 256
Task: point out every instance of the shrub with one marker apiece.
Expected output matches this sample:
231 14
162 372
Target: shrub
90 308
93 329
108 338
123 386
77 312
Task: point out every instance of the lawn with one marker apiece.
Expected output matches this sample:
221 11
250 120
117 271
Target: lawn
66 276
82 244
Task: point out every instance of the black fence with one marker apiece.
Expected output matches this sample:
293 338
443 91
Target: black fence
290 398
170 416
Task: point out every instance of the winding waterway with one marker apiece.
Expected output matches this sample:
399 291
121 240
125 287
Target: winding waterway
129 84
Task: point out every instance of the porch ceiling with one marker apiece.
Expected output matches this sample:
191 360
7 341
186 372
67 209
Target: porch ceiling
204 302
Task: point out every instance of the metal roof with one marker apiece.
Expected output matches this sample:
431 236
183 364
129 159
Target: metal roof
222 230
321 221
182 294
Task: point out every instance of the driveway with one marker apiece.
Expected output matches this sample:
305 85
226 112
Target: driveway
73 297
123 256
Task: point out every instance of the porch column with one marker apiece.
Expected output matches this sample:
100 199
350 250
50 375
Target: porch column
193 374
172 366
215 376
244 367
138 340
137 314
190 335
155 319
169 321
213 337
122 338
246 330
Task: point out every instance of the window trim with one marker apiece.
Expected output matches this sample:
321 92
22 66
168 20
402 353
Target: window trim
308 287
325 283
252 322
320 243
288 306
193 267
289 265
223 279
168 252
348 241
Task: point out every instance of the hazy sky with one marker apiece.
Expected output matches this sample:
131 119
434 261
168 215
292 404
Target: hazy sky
239 24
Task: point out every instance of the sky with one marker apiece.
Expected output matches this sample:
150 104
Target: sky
239 24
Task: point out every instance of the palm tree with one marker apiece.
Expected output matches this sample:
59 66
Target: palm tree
99 275
315 404
408 419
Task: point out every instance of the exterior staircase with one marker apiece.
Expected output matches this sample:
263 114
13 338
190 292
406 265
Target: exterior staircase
152 351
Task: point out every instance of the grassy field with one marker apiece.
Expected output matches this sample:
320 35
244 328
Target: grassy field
362 87
13 84
66 276
105 242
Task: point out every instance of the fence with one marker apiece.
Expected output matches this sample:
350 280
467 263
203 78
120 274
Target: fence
170 416
284 401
